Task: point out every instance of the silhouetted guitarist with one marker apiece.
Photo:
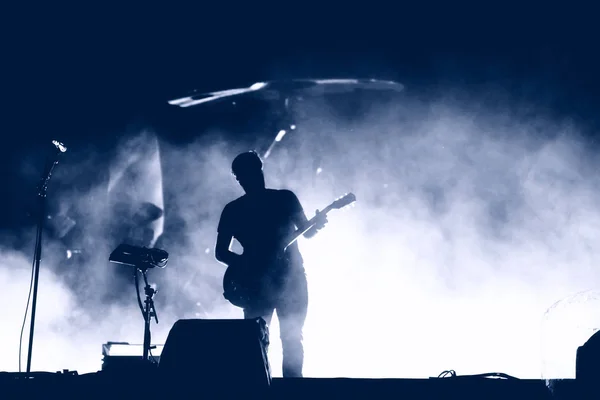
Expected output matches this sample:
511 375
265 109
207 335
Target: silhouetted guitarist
259 220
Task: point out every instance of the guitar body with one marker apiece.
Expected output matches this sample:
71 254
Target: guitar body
246 284
234 289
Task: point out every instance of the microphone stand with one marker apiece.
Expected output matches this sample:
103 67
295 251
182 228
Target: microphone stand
42 190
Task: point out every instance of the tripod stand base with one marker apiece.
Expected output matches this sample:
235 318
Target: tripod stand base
125 364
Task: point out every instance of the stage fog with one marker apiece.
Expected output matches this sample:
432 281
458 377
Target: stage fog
471 222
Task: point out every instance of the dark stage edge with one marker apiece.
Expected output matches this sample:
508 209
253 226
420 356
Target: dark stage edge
134 385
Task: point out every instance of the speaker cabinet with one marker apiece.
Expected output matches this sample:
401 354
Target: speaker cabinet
218 358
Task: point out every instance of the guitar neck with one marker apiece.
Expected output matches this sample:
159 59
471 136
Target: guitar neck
299 232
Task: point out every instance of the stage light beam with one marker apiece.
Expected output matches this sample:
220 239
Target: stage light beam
280 135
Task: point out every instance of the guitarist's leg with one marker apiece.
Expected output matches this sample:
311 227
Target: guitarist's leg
292 314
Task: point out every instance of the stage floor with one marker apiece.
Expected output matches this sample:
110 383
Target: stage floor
134 385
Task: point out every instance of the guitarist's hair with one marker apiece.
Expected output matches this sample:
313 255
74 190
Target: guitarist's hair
247 161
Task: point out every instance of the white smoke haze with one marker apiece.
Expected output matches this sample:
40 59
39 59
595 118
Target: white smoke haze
68 334
469 225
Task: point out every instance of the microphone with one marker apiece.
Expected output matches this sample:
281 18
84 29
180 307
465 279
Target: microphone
59 146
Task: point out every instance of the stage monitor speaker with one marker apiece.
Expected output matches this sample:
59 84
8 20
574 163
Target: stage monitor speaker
219 358
587 367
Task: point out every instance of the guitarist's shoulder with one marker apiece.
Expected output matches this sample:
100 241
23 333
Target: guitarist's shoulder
286 194
234 204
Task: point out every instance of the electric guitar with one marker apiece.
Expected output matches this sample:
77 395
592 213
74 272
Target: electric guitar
245 283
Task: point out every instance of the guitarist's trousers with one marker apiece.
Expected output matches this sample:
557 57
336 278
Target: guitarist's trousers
291 306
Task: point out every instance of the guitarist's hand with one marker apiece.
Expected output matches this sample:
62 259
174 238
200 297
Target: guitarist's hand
231 258
320 220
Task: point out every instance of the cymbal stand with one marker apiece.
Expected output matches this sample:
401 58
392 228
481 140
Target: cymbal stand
149 311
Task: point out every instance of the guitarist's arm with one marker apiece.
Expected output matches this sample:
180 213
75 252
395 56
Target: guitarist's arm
223 252
300 220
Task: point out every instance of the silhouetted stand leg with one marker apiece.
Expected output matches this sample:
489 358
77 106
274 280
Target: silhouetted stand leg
42 190
149 312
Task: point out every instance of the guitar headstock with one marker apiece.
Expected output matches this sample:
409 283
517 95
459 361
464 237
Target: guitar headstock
343 201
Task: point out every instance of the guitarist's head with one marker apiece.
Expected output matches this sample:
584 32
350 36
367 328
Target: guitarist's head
248 170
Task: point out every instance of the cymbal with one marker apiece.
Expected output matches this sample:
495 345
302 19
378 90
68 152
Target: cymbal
275 90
